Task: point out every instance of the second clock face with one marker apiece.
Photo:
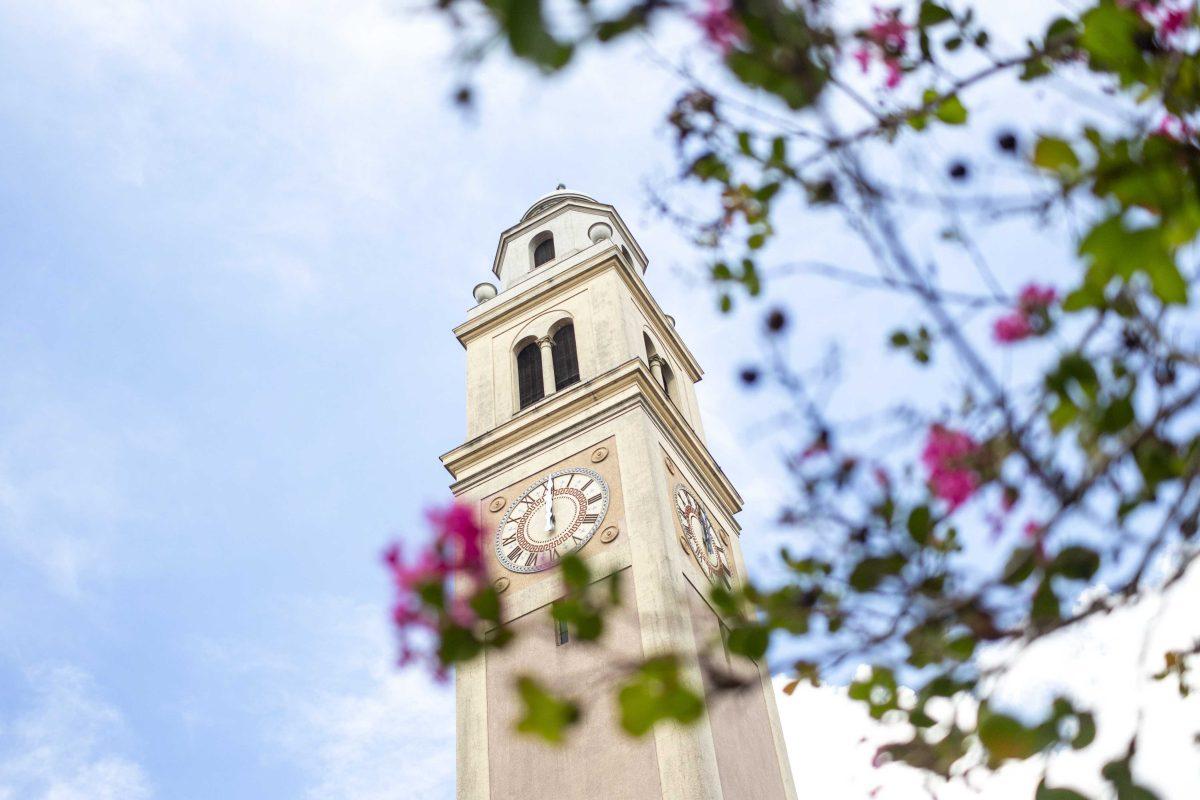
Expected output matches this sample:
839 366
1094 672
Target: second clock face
700 536
555 516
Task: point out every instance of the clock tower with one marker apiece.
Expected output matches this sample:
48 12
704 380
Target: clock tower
584 436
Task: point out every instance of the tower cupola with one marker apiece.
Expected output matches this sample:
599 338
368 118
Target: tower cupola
555 229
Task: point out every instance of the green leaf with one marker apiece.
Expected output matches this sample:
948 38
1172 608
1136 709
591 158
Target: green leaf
1055 155
1044 792
486 604
749 640
920 524
952 111
1006 738
1076 563
656 693
1034 69
1116 416
545 715
1019 567
575 573
1059 28
1045 606
869 572
586 622
1120 774
1167 282
878 691
1109 36
457 644
1087 731
610 29
743 140
528 36
932 14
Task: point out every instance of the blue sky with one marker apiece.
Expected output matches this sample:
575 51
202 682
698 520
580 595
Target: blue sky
233 242
234 238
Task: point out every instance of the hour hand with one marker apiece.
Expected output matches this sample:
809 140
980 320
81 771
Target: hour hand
549 505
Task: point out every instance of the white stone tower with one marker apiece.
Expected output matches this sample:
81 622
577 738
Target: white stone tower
584 435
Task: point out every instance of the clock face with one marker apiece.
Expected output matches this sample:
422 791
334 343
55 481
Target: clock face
700 537
555 516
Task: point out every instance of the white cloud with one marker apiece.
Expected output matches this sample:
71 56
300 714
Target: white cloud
59 494
332 704
831 740
65 745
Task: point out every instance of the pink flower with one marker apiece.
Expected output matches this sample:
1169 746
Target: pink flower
1173 22
947 456
426 599
1033 297
954 486
888 32
720 27
1031 316
1169 19
886 37
1012 328
863 56
458 530
1172 127
893 73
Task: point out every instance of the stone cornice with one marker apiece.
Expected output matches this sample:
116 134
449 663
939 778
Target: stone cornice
555 210
581 407
500 310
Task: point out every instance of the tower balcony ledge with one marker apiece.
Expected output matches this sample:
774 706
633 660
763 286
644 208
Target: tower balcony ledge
567 413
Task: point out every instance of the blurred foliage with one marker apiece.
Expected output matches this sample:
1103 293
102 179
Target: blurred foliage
1098 455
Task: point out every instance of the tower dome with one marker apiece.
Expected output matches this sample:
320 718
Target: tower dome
548 201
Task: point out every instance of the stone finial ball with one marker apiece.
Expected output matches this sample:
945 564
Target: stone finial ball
599 232
484 292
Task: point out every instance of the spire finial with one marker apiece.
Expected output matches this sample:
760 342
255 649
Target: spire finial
560 187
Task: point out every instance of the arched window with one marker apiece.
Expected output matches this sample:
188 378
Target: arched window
543 252
668 379
529 374
566 362
662 371
650 351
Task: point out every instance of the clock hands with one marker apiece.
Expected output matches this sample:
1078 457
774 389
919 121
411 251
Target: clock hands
549 504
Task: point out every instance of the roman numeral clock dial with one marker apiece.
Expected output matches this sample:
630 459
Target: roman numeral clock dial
555 516
701 538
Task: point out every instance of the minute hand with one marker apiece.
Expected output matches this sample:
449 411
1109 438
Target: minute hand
549 505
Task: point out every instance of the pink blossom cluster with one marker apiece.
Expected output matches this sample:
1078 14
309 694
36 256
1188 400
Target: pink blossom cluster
947 458
886 38
455 552
1174 127
1170 19
720 27
1031 317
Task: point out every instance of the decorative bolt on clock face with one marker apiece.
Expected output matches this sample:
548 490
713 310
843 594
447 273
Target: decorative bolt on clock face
555 516
702 540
